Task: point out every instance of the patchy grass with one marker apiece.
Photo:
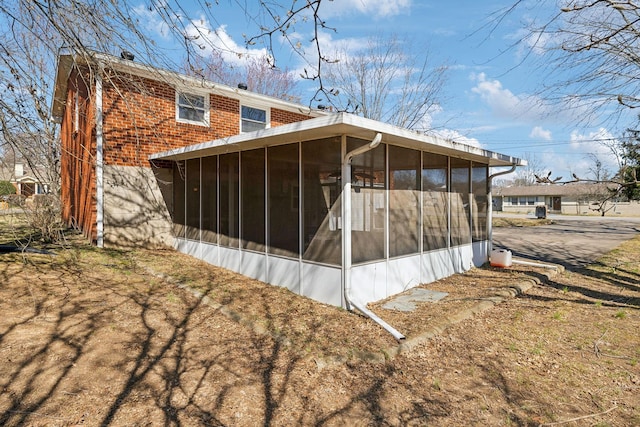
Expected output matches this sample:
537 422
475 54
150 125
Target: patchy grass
519 222
113 337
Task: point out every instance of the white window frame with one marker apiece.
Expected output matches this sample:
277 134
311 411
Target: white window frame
205 95
264 108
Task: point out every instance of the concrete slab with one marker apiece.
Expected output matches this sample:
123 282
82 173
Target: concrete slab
408 301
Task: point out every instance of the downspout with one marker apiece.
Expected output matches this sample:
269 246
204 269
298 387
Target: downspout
99 165
490 204
346 231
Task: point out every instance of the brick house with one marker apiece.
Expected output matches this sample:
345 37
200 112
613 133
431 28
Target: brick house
569 199
335 207
113 114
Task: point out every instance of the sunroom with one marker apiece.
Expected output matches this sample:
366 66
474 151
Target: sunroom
339 208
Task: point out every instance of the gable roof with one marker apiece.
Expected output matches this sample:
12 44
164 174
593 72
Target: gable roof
67 59
552 189
335 125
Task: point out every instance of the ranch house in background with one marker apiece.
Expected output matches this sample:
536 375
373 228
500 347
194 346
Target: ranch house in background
568 199
333 206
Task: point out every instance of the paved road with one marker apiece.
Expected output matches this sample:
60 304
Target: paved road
571 241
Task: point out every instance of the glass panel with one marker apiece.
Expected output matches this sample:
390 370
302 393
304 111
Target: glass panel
209 199
253 119
480 202
435 202
284 218
253 200
322 189
254 114
367 202
191 107
460 210
229 206
191 114
404 201
178 199
193 199
193 101
248 126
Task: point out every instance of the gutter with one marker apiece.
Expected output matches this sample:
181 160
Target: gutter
346 232
99 165
490 202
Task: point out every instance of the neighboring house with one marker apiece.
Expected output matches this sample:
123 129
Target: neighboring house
25 180
571 199
335 207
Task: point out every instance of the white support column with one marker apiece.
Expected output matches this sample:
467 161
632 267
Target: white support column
99 165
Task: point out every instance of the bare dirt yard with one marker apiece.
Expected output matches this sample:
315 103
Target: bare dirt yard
134 338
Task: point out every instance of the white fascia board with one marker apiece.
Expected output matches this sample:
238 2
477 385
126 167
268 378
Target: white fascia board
184 81
335 125
67 58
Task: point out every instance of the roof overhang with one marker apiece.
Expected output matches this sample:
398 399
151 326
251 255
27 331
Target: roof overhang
67 59
336 125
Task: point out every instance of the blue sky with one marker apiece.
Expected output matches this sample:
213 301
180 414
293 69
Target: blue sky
490 94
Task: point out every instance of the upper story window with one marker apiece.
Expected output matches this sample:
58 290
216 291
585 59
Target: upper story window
192 108
253 118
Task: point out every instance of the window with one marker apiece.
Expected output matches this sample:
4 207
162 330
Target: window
252 118
209 199
479 202
460 209
368 202
321 201
192 194
404 201
284 187
229 205
252 194
435 201
192 108
178 198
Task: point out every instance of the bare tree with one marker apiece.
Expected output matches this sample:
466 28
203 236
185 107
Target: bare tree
385 81
598 40
256 72
34 31
528 175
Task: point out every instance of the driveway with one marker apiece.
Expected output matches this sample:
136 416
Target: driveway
572 241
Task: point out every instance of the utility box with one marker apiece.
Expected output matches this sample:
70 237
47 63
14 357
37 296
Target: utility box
541 212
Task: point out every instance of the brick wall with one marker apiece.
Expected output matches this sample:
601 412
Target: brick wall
139 119
143 122
77 157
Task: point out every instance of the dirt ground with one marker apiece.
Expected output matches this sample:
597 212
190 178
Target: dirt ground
105 337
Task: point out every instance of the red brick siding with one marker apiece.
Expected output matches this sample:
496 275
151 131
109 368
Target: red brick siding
143 121
139 119
281 117
77 158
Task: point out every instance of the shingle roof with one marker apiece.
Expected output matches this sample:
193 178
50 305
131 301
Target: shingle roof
551 189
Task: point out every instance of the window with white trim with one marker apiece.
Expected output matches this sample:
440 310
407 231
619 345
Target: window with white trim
192 108
252 118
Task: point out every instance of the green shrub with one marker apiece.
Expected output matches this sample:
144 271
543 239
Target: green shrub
6 188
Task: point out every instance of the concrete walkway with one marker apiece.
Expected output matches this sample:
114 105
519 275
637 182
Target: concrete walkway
571 241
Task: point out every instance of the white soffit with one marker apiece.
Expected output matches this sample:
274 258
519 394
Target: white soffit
336 125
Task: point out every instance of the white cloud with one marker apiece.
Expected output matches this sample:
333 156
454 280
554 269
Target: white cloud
539 133
596 143
151 21
209 40
505 104
456 136
375 8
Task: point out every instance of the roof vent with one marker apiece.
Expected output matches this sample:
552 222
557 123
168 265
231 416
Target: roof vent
242 86
322 107
125 54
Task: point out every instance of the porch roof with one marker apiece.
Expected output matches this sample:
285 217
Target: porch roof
336 125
